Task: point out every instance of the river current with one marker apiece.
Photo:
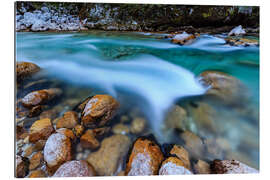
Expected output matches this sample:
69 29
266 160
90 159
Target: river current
147 71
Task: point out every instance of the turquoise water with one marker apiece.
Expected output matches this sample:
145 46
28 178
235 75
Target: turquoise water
152 73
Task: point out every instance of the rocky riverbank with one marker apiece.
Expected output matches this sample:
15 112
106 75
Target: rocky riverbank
92 137
36 16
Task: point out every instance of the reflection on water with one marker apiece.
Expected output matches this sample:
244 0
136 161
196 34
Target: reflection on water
146 71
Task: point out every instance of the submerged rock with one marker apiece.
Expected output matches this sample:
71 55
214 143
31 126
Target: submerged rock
110 155
145 158
78 130
40 97
25 69
75 169
237 31
173 166
202 167
231 167
120 129
36 160
193 143
57 150
37 174
224 86
182 154
69 120
99 110
21 167
183 39
137 125
88 140
67 132
177 119
40 130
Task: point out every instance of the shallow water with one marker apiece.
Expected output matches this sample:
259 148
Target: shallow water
146 71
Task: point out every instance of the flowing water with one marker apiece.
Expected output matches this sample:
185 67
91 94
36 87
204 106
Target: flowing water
148 72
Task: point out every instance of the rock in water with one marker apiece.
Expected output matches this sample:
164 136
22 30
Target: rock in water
145 158
231 167
110 155
193 143
99 110
202 167
137 125
67 132
21 166
69 120
37 174
224 86
40 129
120 129
57 150
40 97
177 119
183 38
173 166
36 160
75 169
25 69
237 31
182 154
88 140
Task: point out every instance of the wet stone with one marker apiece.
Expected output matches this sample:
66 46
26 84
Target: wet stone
75 169
182 154
88 140
67 132
110 155
231 167
36 160
173 166
21 167
78 130
138 125
37 174
202 167
99 110
40 97
40 130
120 129
69 120
145 158
25 69
193 143
57 150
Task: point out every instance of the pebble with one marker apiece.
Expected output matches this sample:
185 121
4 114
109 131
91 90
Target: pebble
173 166
57 150
110 155
137 125
99 110
69 120
145 158
40 129
75 169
